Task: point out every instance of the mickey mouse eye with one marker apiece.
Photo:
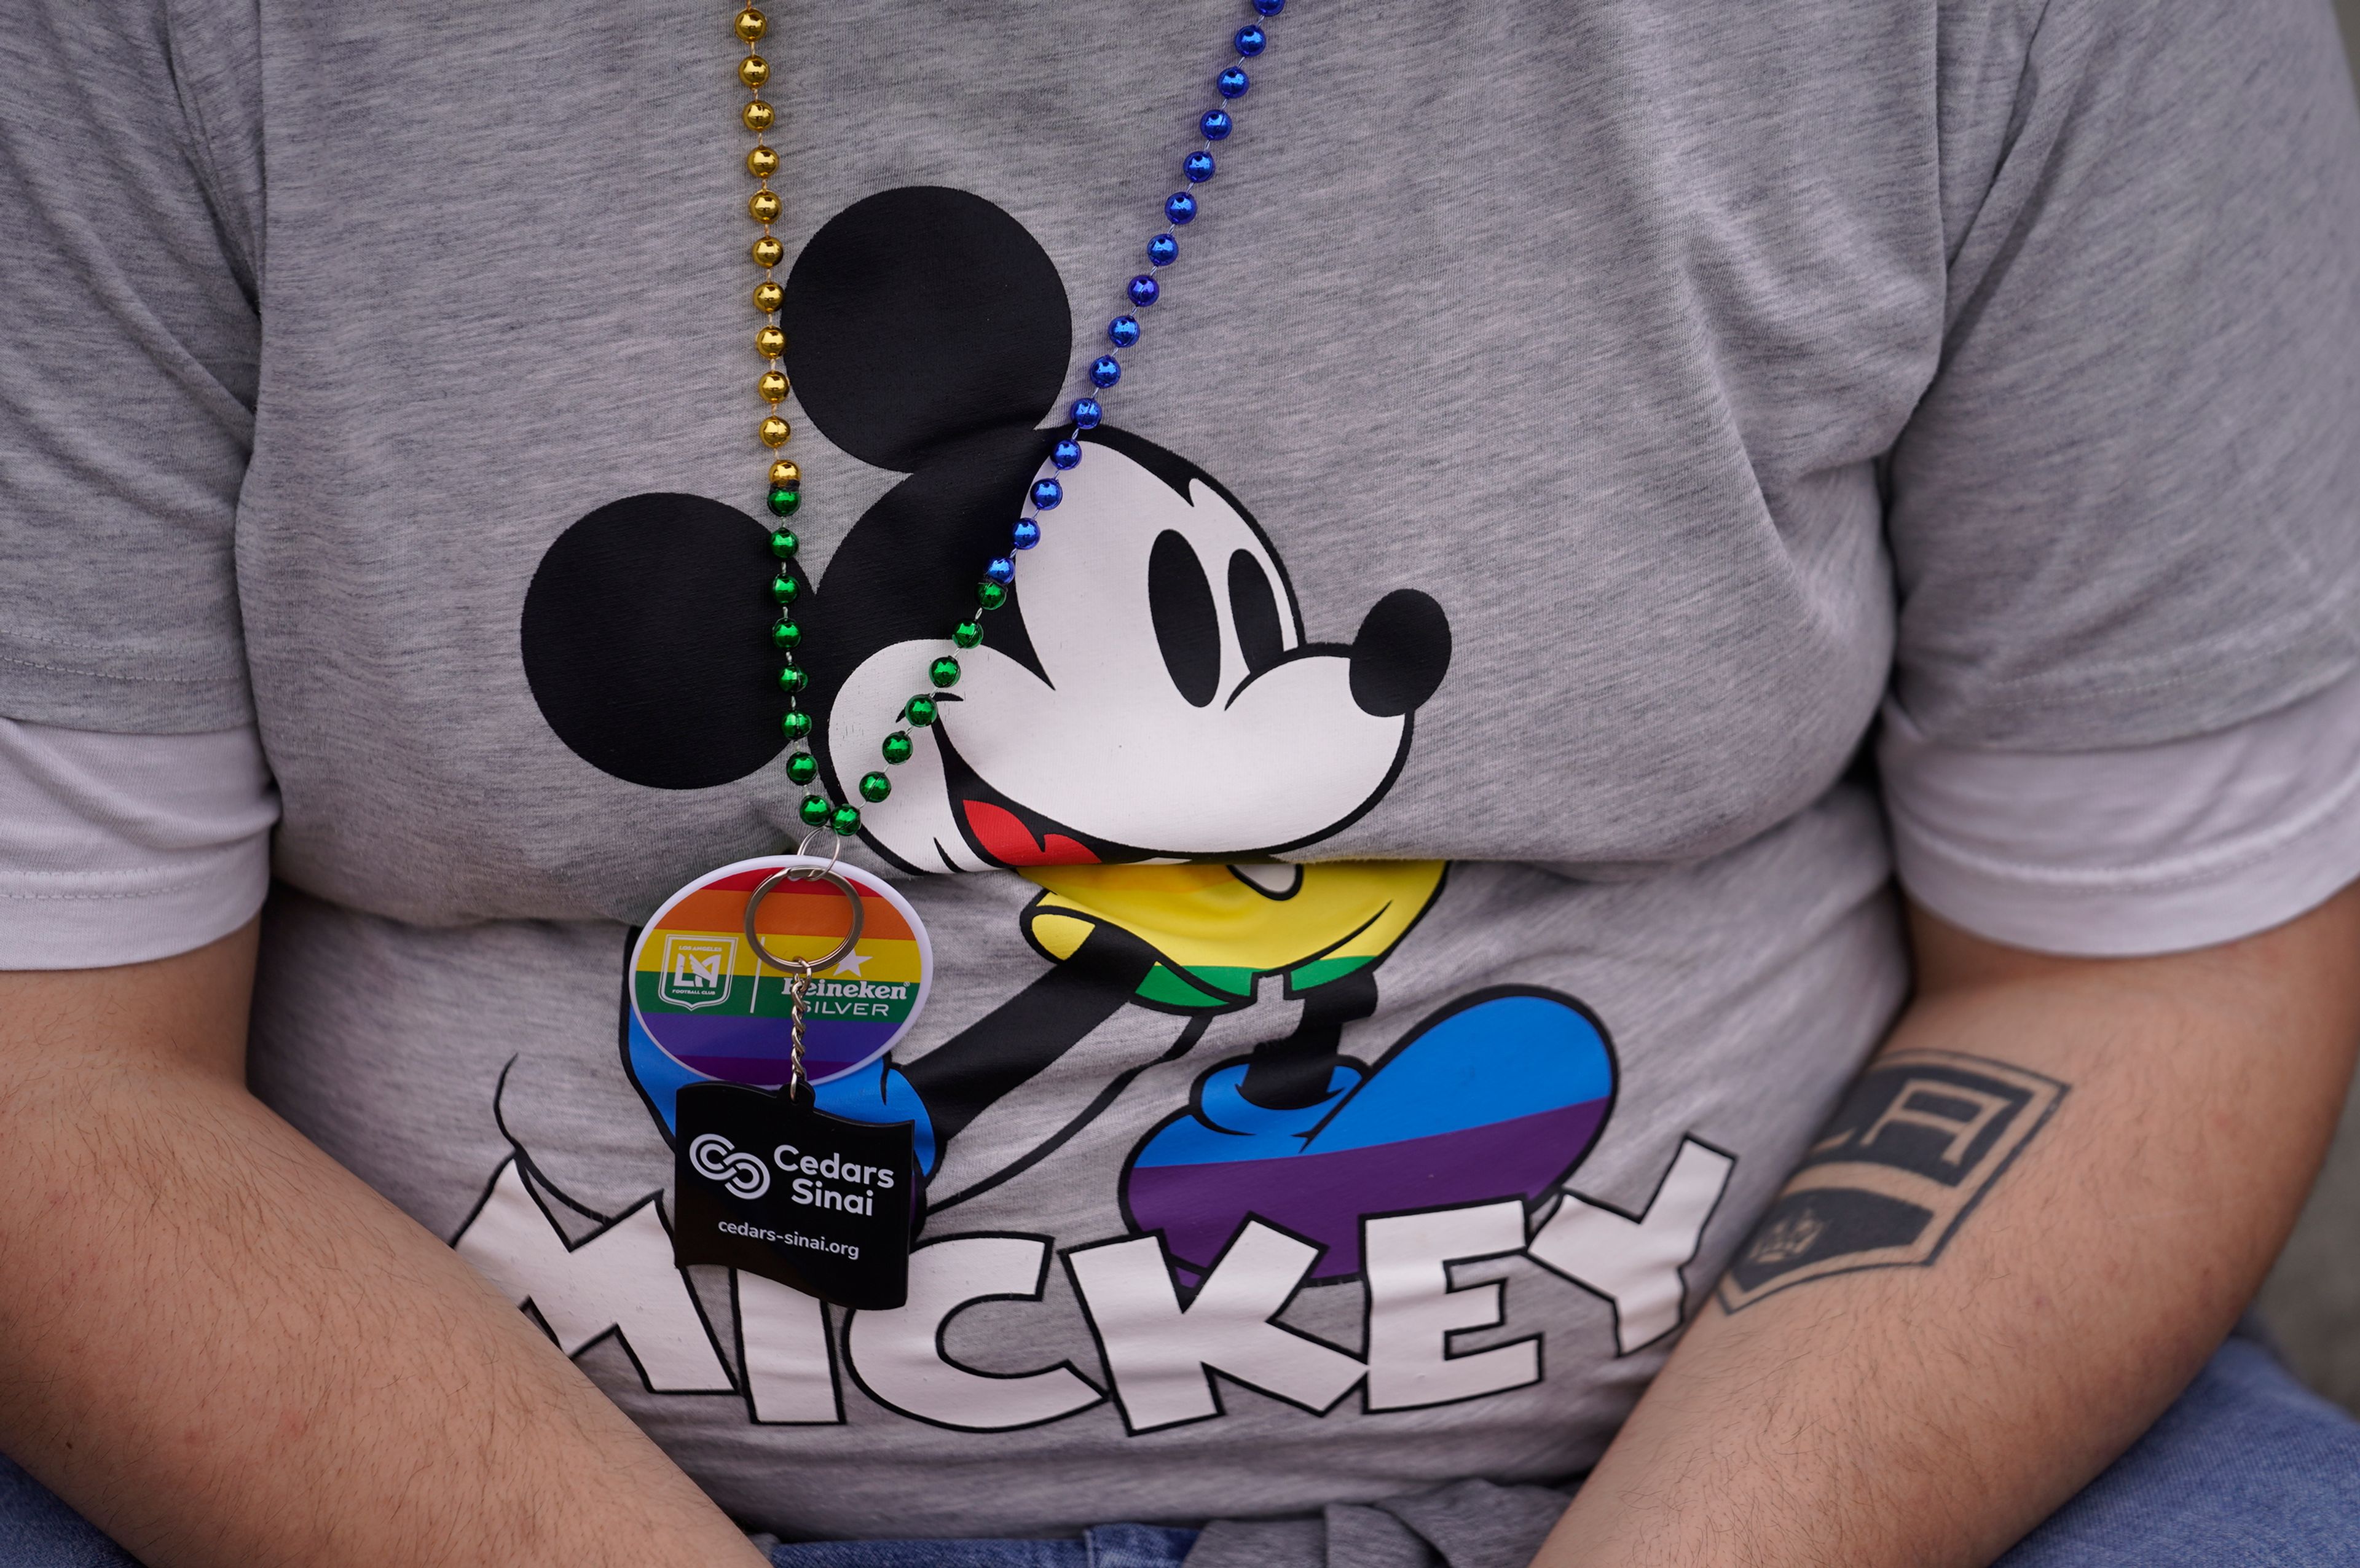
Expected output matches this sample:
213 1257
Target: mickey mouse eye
1253 610
1188 624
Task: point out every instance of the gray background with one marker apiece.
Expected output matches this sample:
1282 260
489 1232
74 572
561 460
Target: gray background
2313 1299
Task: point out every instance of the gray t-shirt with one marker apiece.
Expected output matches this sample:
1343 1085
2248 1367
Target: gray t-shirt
1416 901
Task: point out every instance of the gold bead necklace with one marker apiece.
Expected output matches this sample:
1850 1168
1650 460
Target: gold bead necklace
785 494
764 207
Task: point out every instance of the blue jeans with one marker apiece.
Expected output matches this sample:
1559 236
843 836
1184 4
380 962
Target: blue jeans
2248 1468
1108 1546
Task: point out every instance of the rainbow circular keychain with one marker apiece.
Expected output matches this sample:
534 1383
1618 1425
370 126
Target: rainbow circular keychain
756 985
705 995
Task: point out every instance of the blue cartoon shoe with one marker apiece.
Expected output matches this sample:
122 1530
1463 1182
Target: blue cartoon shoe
1499 1095
877 1093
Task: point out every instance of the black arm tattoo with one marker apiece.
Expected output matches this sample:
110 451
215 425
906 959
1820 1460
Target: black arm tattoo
1912 1149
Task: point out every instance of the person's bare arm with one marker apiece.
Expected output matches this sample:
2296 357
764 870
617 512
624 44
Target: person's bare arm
1933 1415
228 1352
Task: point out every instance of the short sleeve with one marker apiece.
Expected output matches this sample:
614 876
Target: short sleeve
130 261
2127 509
122 848
2136 849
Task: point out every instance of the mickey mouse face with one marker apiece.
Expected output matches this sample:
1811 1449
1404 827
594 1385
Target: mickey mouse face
1147 693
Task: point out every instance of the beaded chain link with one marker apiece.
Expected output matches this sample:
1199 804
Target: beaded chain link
784 495
785 489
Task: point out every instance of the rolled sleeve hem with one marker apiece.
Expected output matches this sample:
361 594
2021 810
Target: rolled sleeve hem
2131 852
97 920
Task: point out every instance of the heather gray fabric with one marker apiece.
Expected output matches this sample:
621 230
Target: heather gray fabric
1657 350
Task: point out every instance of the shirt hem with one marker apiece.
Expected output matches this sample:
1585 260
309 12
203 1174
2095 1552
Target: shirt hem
35 688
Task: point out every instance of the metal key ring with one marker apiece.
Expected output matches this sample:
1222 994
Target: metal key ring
806 967
835 853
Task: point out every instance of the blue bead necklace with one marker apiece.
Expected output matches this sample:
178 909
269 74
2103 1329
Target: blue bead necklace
785 488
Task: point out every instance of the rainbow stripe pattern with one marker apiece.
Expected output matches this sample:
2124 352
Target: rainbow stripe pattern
1216 933
706 1002
1500 1095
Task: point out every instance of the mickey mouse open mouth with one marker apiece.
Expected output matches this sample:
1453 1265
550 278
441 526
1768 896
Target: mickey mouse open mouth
1008 832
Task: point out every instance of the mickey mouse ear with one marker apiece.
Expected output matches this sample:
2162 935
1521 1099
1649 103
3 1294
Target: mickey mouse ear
920 315
645 641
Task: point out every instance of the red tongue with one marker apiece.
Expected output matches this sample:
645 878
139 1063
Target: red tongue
1010 841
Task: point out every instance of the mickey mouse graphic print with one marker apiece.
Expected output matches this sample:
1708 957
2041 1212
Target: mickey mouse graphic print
1076 751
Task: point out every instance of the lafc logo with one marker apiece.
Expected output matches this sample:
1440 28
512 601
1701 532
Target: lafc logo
699 971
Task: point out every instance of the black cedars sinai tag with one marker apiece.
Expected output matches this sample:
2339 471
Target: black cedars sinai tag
781 1189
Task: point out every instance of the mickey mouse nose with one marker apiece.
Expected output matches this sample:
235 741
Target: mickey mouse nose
1401 654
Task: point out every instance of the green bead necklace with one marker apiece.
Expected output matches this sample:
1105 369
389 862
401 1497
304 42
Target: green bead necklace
784 493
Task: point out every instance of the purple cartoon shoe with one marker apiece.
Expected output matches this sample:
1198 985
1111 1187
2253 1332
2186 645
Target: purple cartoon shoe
1499 1095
